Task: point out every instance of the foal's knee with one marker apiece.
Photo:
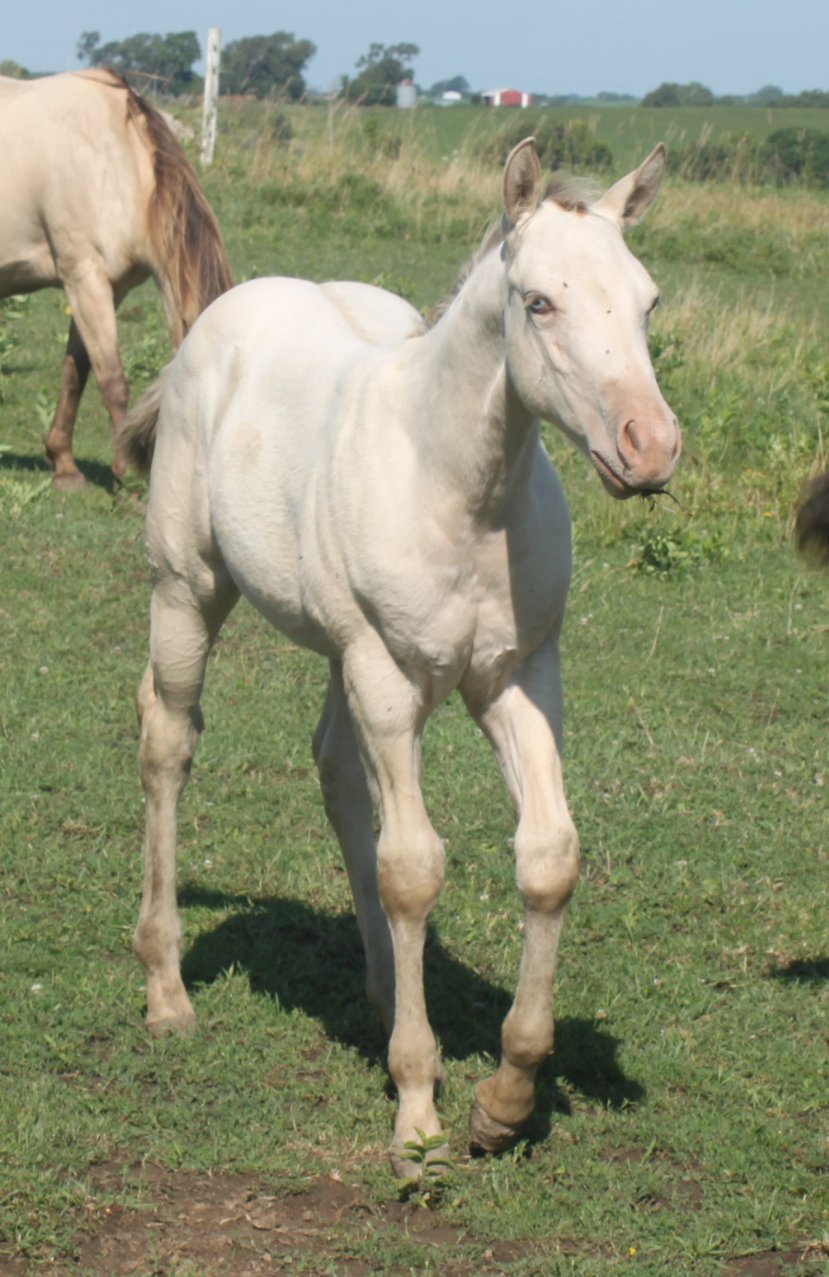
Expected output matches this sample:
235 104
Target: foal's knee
547 867
410 874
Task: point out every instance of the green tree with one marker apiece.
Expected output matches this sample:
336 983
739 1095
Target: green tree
380 71
168 58
670 94
87 44
13 70
768 95
457 84
267 65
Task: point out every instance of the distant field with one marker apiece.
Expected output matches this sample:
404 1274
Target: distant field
682 1121
626 130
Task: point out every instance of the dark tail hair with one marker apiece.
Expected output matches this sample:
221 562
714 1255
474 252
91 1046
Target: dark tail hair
811 527
190 261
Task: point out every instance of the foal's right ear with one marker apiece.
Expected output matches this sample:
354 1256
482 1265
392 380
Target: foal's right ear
522 180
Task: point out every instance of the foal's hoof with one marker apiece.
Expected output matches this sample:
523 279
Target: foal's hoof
488 1136
71 481
165 1025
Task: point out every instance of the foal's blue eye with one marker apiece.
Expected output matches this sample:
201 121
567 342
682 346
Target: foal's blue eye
539 305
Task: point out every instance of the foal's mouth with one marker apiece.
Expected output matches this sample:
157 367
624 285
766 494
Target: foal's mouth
613 482
616 485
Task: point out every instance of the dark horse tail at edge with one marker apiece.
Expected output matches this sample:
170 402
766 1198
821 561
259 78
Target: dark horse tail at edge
811 527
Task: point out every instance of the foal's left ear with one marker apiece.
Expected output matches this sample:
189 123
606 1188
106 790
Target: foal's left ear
522 180
629 199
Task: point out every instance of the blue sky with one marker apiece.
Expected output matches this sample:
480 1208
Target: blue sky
624 46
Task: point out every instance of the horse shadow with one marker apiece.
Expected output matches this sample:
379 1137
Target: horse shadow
310 960
95 473
802 971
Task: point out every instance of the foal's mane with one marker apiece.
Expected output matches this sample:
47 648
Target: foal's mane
574 194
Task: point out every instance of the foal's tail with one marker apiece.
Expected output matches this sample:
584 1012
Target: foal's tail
190 262
811 527
136 436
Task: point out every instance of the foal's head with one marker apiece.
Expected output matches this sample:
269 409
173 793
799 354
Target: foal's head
577 318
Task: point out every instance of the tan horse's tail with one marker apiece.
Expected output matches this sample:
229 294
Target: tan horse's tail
811 527
190 262
136 436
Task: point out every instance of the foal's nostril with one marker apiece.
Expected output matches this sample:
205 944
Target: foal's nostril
630 445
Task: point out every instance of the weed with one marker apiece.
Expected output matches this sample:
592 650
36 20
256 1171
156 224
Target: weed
434 1167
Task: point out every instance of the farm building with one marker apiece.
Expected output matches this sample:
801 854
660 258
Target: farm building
507 97
406 94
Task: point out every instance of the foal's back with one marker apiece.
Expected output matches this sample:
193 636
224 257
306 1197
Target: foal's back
258 401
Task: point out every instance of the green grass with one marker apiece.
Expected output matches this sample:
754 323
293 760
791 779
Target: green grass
682 1118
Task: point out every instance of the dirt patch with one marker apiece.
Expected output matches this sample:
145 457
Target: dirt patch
193 1224
188 1225
781 1263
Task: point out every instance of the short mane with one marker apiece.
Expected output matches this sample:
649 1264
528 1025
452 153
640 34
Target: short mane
575 194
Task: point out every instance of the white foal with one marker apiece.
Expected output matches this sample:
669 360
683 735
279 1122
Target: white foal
380 493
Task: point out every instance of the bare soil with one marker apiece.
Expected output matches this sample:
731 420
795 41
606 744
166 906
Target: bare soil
218 1225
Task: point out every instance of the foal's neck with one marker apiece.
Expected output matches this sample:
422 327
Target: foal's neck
478 435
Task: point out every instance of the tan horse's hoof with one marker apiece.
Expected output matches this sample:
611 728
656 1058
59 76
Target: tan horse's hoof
72 481
487 1135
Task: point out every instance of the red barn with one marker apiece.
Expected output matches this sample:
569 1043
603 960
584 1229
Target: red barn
507 97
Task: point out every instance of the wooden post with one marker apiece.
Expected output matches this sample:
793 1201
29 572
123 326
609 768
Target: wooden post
211 94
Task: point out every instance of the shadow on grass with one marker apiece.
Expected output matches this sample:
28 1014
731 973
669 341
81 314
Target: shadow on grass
802 971
93 471
313 961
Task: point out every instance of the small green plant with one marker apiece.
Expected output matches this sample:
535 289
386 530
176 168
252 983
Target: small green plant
16 494
11 310
434 1169
681 550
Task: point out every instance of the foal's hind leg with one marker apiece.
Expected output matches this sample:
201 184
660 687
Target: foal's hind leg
58 442
524 726
349 808
183 628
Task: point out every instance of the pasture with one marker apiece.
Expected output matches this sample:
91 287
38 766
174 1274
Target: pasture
682 1124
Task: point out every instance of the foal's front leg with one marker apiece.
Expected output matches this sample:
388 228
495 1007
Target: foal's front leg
524 727
388 713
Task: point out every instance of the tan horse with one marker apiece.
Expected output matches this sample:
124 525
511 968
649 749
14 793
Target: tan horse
98 196
381 494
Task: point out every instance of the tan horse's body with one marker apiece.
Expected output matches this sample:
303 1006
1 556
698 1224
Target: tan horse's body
98 197
381 494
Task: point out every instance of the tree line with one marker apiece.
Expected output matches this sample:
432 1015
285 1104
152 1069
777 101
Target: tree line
274 66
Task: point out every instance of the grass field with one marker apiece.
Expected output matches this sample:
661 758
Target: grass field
682 1125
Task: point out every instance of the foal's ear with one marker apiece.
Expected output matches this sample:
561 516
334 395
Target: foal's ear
629 199
522 180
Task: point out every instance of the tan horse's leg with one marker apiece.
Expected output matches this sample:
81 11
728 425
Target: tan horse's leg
58 442
388 717
349 808
93 331
182 631
524 726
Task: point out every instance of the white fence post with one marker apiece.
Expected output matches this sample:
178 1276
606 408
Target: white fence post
211 94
